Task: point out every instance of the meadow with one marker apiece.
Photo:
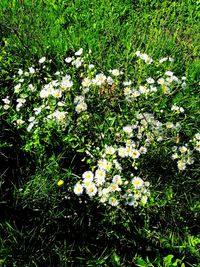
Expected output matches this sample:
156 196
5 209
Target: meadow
100 139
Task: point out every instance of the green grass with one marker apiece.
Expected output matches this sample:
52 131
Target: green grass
41 224
113 30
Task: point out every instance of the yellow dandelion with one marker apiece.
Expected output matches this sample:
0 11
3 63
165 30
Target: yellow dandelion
60 182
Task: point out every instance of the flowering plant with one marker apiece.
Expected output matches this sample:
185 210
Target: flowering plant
117 122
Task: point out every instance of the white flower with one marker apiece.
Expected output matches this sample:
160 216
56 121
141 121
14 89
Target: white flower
54 83
26 73
146 58
129 150
169 125
163 60
6 107
110 81
190 160
181 165
91 190
135 94
57 93
197 147
30 126
37 110
127 83
170 79
31 119
174 107
20 71
21 100
165 89
128 129
197 136
99 79
138 53
137 182
18 106
60 104
176 79
170 59
153 89
103 198
42 60
78 189
143 150
17 88
104 164
144 199
31 70
88 175
117 179
161 81
104 191
44 93
122 152
183 149
19 122
59 115
86 183
143 89
175 156
150 80
130 142
77 62
6 100
110 150
127 91
86 82
82 106
100 181
91 66
79 52
100 177
115 72
114 187
169 73
68 59
113 201
135 154
66 83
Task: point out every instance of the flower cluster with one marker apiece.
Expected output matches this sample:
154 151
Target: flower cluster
161 85
183 155
6 102
51 101
110 183
196 142
80 103
148 60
